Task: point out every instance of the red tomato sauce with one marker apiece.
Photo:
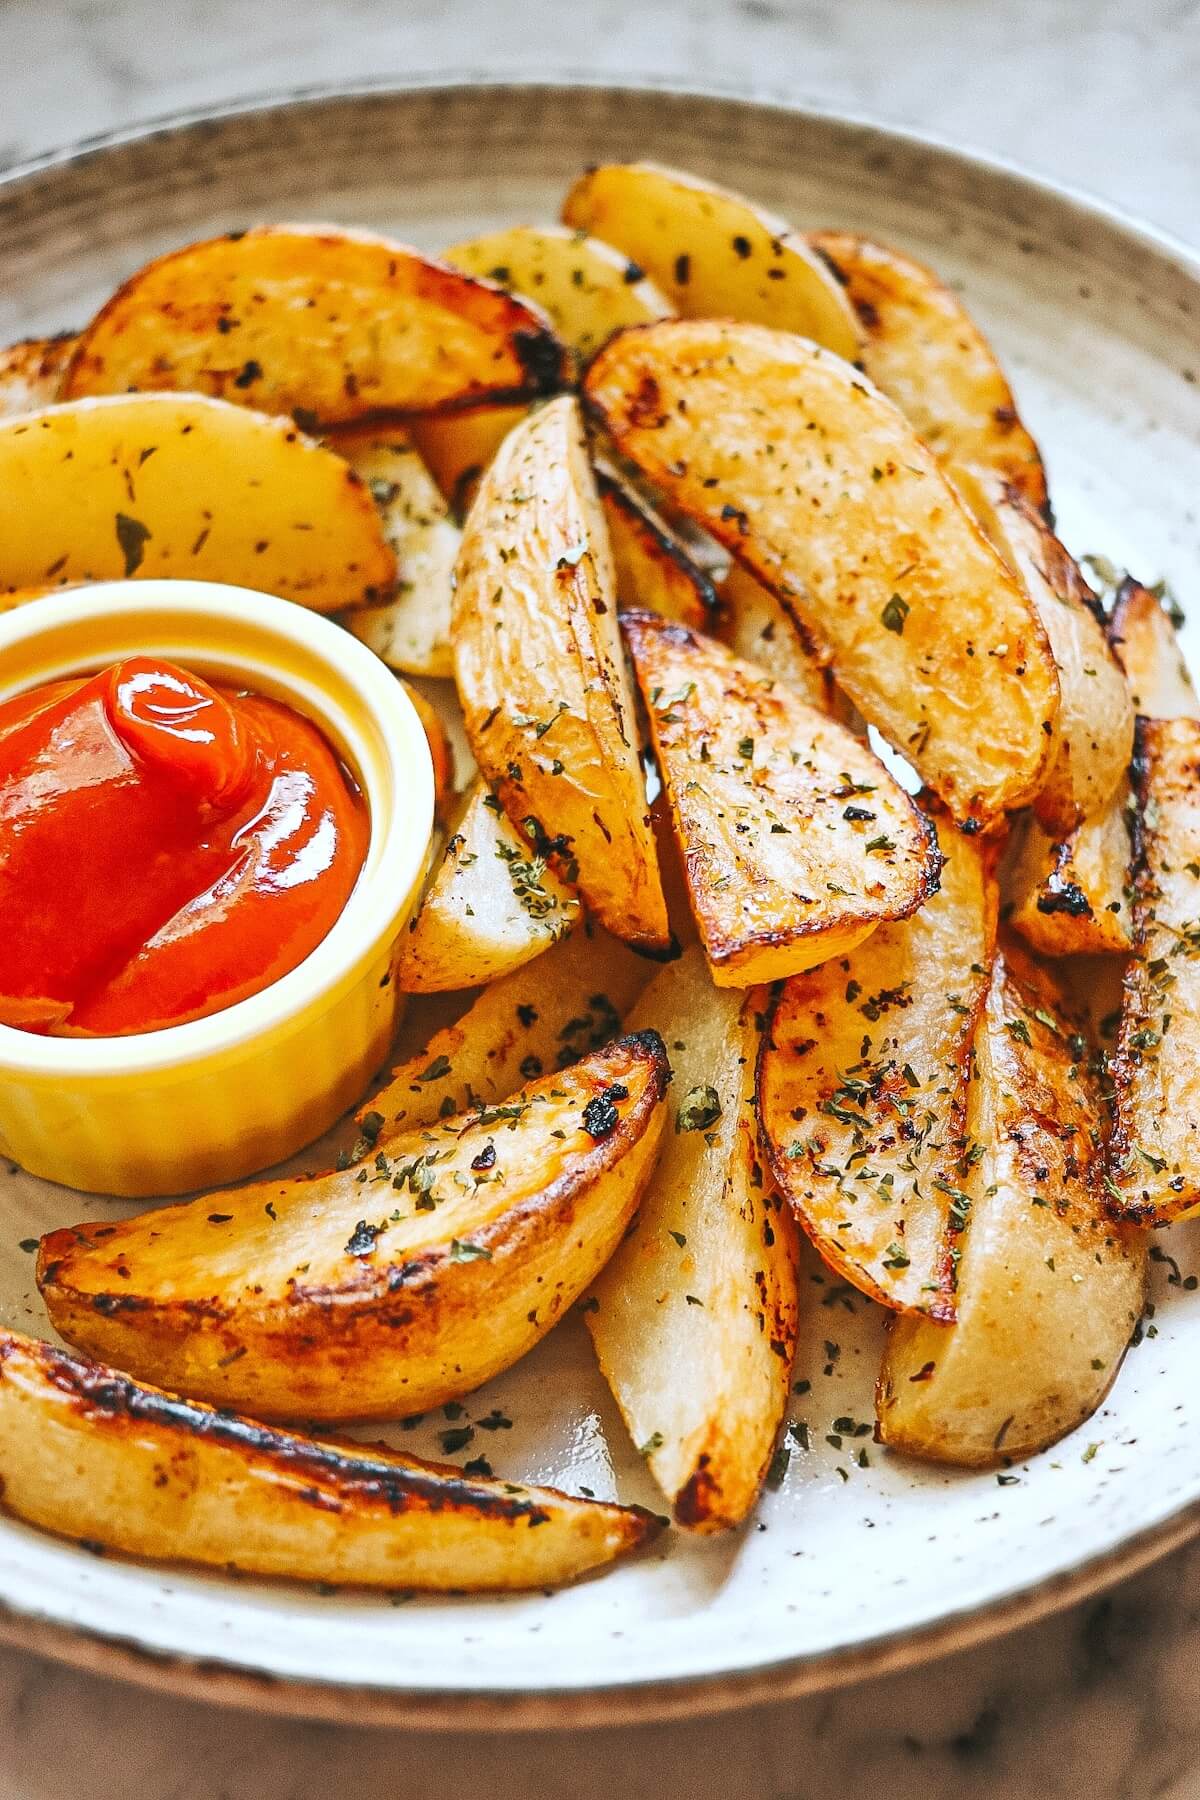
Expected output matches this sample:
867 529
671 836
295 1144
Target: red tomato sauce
167 848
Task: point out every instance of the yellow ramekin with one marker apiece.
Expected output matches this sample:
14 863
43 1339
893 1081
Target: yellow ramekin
167 1111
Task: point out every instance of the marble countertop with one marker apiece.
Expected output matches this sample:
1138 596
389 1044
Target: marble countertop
1102 1701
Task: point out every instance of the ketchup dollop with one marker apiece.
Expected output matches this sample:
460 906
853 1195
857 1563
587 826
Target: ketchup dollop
166 848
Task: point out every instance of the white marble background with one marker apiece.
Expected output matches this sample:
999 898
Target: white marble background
1103 1702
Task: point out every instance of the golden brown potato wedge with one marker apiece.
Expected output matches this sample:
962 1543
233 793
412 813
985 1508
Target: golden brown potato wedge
184 486
587 289
538 1019
1145 642
924 351
102 1460
541 674
458 448
862 1088
1094 733
1071 896
1154 1170
713 253
411 629
440 749
333 324
796 841
762 631
386 1288
1048 1289
821 488
694 1319
31 373
491 905
652 567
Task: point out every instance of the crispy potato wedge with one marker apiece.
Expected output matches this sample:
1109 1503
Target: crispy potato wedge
440 749
694 1319
862 1089
587 289
820 487
1048 1290
924 351
796 841
458 448
97 1458
542 678
529 1023
491 906
181 485
411 630
713 253
1148 650
1154 1170
331 1297
762 631
31 373
1070 896
1095 717
334 324
652 567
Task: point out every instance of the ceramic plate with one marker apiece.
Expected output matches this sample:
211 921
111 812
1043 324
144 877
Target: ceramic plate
857 1560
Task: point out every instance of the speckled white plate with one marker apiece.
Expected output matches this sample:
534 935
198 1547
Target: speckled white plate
859 1560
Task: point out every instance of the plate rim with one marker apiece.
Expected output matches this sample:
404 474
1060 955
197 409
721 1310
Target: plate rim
685 1696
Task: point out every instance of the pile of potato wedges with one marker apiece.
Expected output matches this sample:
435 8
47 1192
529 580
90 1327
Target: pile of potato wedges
695 536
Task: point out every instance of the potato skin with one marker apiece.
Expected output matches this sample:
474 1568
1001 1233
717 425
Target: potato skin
95 1457
866 1065
781 870
924 351
541 674
1048 1289
219 493
335 324
854 527
31 372
652 568
713 253
286 1300
1154 1172
1070 897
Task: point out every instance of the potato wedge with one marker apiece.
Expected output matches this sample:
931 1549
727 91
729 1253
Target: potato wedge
1094 734
1148 650
333 324
762 631
180 485
1154 1172
587 289
652 567
796 841
924 351
1070 896
31 373
385 1289
862 1088
97 1458
410 630
491 906
458 448
440 749
694 1318
1048 1290
527 1024
820 487
713 253
541 675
